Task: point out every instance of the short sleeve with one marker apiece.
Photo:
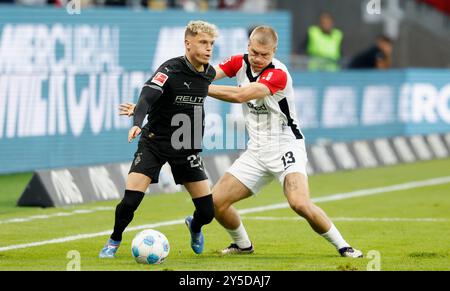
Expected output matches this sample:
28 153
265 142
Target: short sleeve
232 65
160 78
274 79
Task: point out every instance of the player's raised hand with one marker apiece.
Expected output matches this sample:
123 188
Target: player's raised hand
133 133
126 109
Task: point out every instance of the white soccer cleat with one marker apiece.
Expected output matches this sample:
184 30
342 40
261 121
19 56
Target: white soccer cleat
350 252
234 249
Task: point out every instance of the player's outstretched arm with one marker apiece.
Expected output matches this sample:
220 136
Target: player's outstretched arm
128 110
220 74
239 94
149 95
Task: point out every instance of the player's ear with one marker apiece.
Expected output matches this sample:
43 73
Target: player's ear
187 44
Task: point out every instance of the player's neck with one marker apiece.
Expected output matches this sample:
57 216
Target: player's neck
255 71
198 66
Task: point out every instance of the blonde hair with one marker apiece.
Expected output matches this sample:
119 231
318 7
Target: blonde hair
195 27
264 35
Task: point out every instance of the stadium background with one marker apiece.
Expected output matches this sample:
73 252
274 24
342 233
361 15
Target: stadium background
80 67
64 68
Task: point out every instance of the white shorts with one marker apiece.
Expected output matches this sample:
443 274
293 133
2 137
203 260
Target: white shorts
256 169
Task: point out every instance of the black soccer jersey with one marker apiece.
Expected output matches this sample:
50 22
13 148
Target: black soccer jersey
173 99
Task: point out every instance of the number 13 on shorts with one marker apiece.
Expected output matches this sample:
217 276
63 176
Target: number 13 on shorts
288 159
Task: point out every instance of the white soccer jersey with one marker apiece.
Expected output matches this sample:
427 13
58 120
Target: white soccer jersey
270 121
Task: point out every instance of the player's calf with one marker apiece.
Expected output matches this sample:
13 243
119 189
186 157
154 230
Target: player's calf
204 212
125 212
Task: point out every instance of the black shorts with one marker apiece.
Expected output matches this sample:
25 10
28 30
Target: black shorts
153 152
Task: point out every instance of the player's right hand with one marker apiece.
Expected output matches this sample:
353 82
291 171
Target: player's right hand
133 133
127 109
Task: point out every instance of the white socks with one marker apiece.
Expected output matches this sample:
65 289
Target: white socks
335 238
240 237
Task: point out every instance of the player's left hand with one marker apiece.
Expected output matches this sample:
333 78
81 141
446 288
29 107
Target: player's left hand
133 133
127 109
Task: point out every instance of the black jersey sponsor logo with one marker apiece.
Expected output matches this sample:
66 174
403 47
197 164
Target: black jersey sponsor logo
194 100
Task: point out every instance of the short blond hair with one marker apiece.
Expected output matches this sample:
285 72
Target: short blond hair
198 26
264 35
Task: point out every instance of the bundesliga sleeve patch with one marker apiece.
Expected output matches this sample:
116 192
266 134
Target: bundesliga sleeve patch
225 61
275 80
160 79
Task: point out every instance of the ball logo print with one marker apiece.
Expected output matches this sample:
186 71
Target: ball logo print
150 247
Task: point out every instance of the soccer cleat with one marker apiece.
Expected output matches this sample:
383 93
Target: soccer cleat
197 239
110 249
234 249
350 252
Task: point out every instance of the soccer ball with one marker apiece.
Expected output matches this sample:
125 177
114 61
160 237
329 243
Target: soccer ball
150 247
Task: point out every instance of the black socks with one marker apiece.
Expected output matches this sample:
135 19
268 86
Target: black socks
204 212
125 212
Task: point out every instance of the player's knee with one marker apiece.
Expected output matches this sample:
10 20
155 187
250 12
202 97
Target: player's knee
219 200
220 207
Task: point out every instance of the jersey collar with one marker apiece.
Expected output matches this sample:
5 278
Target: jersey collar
248 72
191 67
207 73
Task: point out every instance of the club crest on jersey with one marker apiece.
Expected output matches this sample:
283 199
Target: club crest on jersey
160 79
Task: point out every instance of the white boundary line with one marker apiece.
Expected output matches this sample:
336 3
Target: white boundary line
353 219
335 197
58 214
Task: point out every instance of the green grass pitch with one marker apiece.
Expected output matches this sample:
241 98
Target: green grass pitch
409 229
